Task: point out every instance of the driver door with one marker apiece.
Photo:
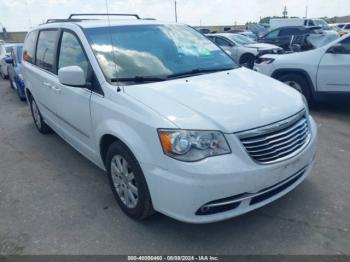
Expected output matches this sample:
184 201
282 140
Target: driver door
334 69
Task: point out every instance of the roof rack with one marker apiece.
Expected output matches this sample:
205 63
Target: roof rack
134 15
71 19
62 20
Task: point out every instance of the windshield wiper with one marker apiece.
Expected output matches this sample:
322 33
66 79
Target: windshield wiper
139 79
198 71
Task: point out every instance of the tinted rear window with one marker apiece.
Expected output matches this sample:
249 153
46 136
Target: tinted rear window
29 47
45 54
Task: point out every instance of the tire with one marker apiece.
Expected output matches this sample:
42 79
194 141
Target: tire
19 95
247 60
299 83
39 122
127 182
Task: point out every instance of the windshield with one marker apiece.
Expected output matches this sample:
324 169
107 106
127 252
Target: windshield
241 39
321 23
154 51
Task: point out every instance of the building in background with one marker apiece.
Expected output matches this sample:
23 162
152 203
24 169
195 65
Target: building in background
12 37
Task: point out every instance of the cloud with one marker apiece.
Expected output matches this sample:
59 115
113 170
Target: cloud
21 14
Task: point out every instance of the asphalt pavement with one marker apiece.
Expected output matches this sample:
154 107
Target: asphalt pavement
54 201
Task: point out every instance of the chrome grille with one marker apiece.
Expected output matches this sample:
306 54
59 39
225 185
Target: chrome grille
278 141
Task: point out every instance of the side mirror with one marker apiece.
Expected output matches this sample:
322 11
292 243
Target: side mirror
336 49
9 60
72 76
296 48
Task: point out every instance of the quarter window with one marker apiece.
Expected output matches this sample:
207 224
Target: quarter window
45 55
29 47
72 54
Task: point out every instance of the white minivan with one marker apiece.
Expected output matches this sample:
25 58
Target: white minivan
179 127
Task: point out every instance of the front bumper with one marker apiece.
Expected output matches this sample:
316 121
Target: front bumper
181 189
265 69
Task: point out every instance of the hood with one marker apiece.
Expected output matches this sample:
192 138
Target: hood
263 46
231 101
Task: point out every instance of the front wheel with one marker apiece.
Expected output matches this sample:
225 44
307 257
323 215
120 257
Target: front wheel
38 119
299 83
128 182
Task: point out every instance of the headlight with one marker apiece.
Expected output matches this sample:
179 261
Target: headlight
191 145
263 60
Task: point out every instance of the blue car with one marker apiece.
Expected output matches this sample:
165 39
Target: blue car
14 68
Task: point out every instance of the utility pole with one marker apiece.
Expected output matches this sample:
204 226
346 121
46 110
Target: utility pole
306 9
175 11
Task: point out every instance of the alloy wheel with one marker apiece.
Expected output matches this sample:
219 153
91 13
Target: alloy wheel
124 181
295 85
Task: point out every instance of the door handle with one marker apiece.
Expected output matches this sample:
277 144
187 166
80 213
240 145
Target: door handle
56 89
46 84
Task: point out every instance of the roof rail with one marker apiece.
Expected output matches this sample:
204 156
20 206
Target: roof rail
62 20
134 15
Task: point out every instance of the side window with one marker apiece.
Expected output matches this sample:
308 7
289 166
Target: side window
290 31
311 23
45 55
347 26
71 53
346 44
272 34
29 47
211 38
222 42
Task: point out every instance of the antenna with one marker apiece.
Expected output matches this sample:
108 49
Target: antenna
306 10
175 11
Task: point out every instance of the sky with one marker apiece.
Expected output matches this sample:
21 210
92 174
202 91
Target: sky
17 15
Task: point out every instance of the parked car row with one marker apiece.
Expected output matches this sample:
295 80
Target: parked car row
10 67
314 73
299 38
179 127
242 49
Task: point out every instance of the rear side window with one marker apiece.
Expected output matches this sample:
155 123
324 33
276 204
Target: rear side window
45 54
290 31
347 27
29 47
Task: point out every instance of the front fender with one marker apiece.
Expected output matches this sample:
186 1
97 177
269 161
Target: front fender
142 147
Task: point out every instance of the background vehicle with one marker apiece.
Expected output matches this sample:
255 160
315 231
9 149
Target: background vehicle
306 22
164 110
14 71
5 53
305 37
242 49
320 71
248 34
344 29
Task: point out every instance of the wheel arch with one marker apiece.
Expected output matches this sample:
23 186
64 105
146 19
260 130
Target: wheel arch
281 72
28 93
246 54
117 131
